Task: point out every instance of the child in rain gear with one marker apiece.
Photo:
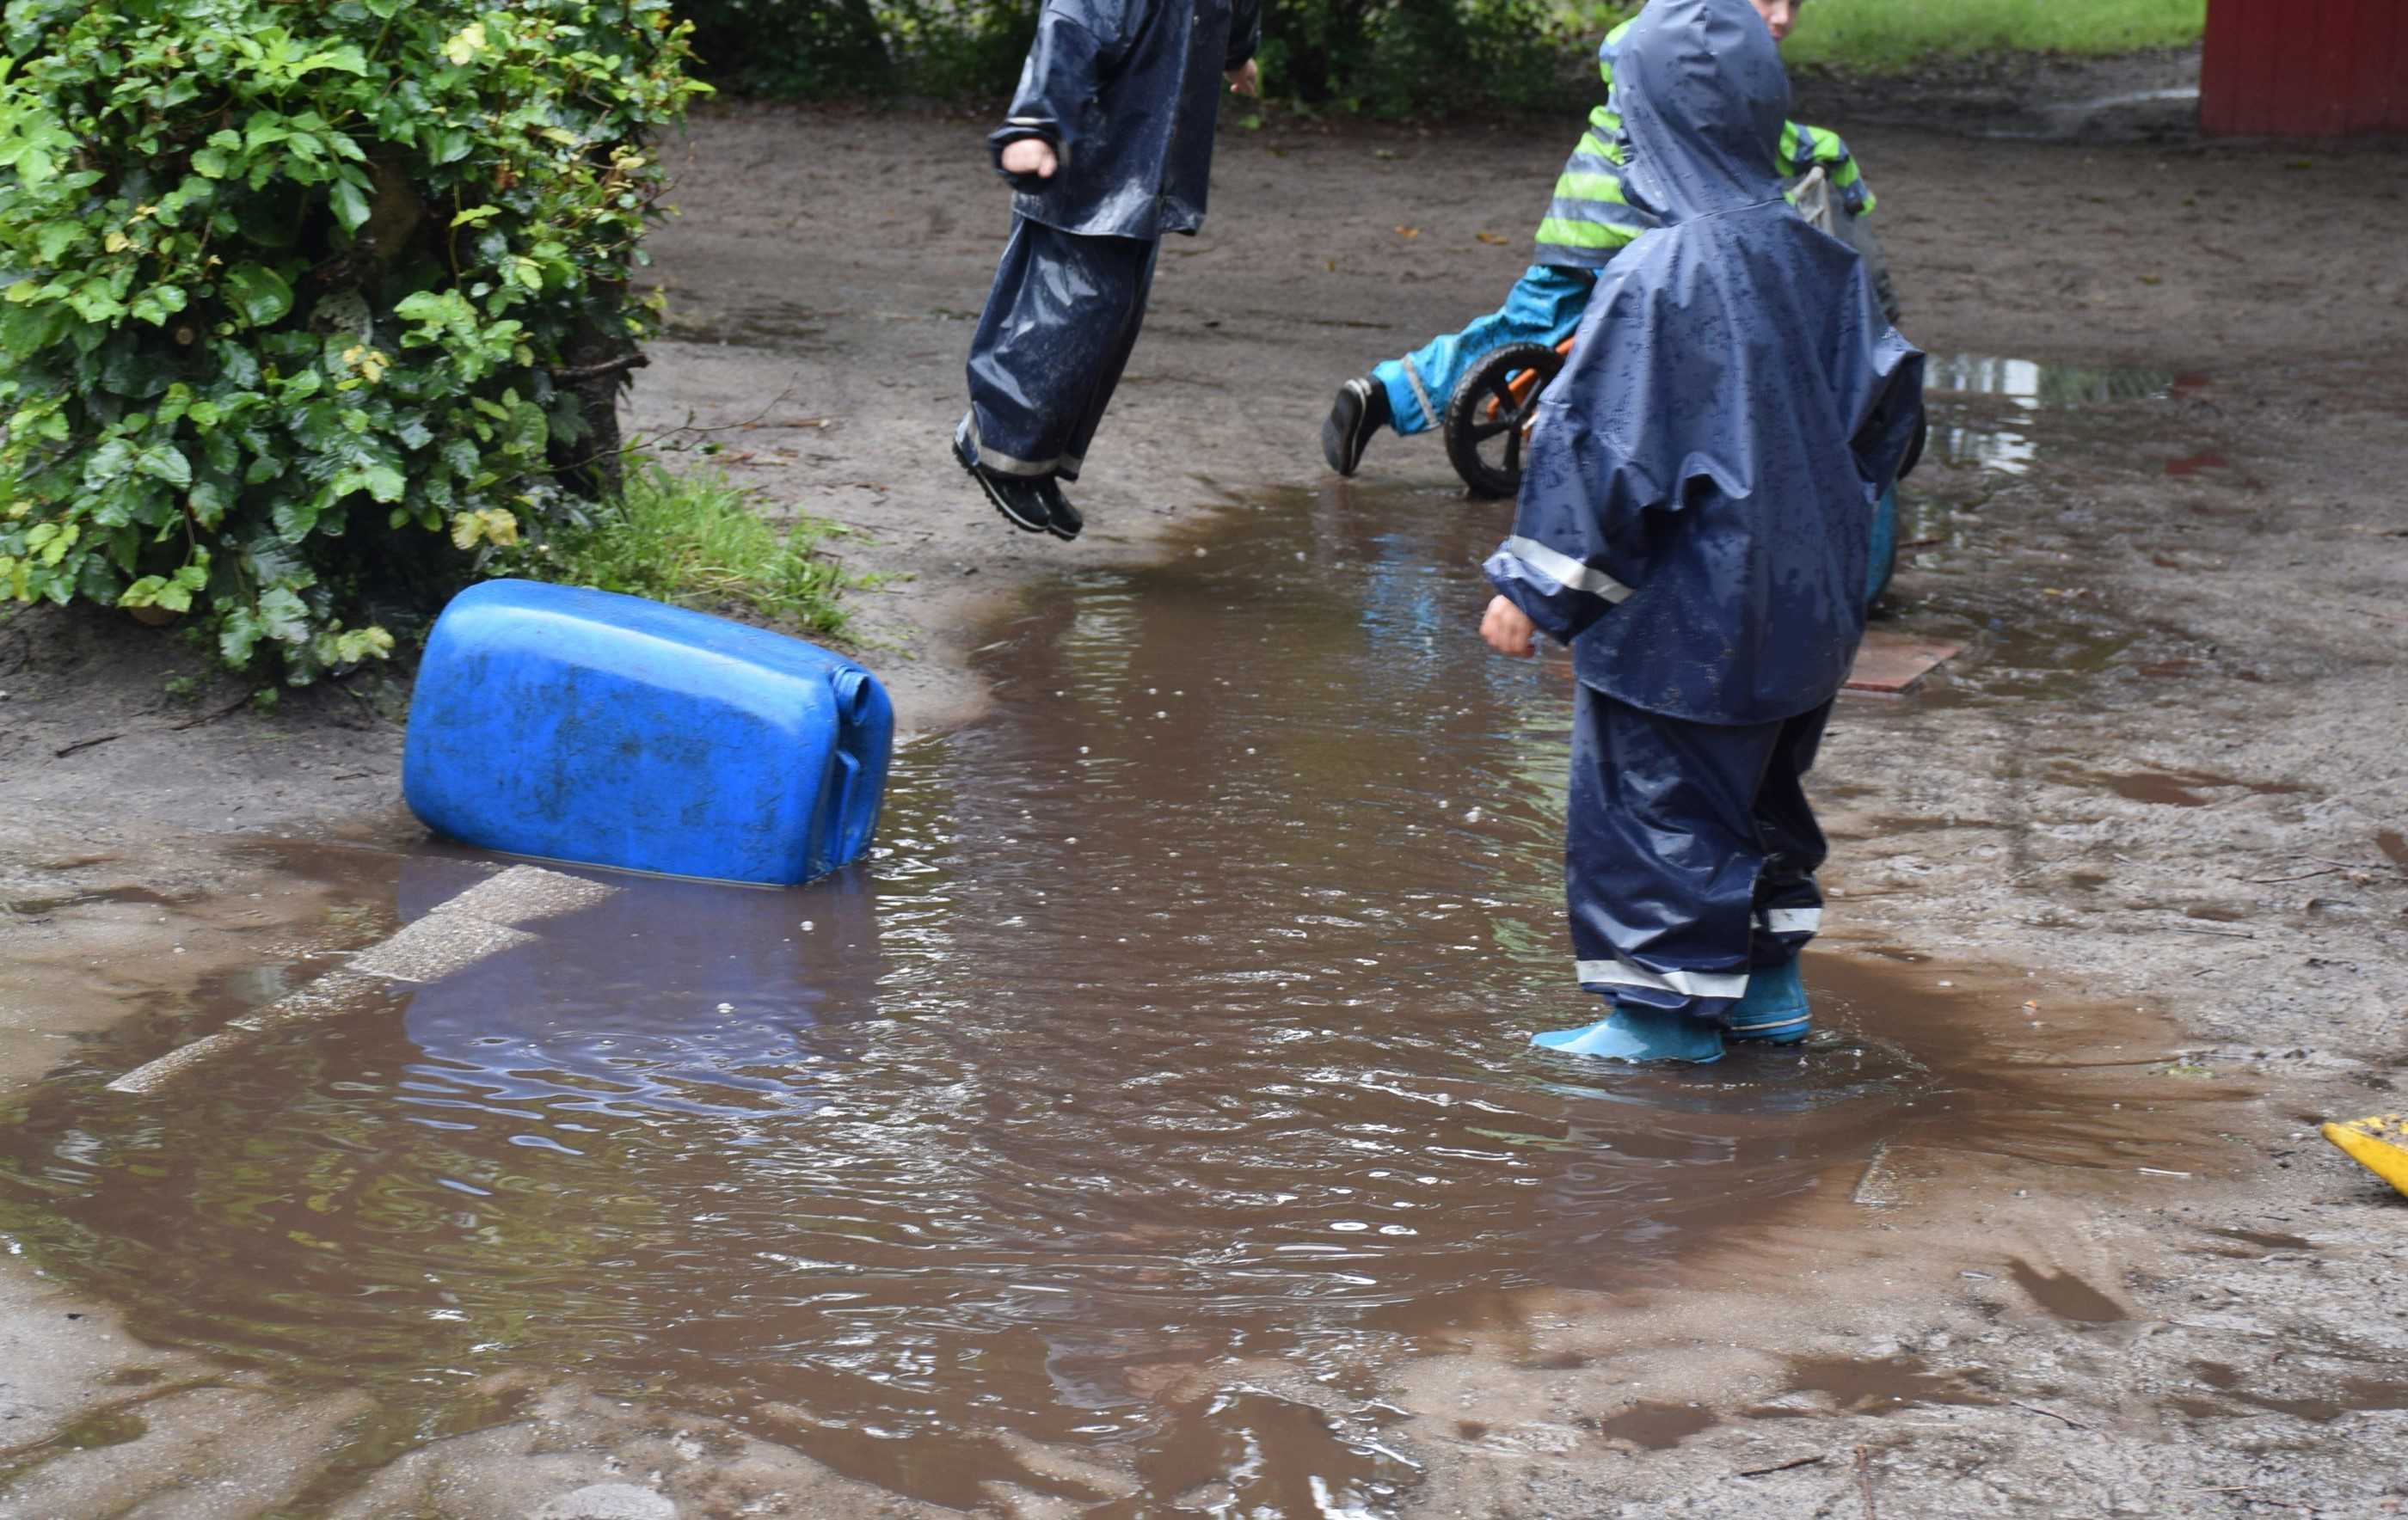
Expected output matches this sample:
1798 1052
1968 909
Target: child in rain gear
1107 146
1588 220
1693 522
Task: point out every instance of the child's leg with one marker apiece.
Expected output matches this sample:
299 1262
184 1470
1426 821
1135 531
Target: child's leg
1662 855
1543 306
1788 904
1108 374
1060 309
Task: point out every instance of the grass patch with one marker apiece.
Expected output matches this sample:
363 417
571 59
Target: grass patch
1890 36
692 539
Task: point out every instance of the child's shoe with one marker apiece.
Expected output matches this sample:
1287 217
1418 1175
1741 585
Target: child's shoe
1360 410
1061 519
1639 1034
1774 1008
1021 499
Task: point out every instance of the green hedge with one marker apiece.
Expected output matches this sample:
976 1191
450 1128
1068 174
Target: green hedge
306 306
1393 58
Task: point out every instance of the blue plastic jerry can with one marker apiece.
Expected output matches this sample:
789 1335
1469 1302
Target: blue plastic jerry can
580 725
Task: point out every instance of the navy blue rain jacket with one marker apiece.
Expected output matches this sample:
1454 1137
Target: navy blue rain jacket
1127 90
1698 497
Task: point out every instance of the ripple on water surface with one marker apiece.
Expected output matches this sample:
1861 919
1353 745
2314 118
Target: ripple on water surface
1177 1024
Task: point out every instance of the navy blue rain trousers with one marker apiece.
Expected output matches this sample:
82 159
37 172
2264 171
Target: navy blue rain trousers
1690 856
1051 345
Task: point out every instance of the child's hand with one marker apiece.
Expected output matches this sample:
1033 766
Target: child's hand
1509 630
1029 155
1246 78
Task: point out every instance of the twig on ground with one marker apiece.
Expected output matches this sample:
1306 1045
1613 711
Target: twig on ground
688 426
2220 933
81 745
2304 875
1784 1467
635 360
227 711
2256 1495
1864 1481
2050 1413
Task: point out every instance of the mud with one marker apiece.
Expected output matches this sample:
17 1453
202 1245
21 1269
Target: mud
2198 578
1009 1140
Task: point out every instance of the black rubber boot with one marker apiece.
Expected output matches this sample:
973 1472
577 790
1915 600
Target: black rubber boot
1360 410
1021 499
1061 519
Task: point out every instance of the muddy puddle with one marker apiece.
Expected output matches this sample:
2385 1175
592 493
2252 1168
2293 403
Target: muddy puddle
1160 1081
1987 410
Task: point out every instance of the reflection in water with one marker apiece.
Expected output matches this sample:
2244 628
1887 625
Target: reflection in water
1171 1044
2029 387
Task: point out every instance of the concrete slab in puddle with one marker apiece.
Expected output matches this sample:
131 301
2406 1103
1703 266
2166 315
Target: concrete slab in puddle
1892 665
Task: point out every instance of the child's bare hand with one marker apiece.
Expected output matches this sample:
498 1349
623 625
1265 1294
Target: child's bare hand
1029 155
1246 78
1509 630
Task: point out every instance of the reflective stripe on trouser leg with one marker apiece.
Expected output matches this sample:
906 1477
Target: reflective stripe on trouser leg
1661 854
1789 902
1050 344
1543 306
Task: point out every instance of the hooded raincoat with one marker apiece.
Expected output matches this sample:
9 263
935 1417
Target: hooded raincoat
1126 91
1700 477
1694 517
1589 220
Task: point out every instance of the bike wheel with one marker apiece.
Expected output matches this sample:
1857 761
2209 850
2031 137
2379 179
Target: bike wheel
1489 414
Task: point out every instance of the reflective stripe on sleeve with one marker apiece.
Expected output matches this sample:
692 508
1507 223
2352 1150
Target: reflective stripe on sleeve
1794 920
1566 571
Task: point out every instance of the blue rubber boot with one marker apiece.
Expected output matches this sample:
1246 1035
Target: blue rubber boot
1639 1034
1773 1009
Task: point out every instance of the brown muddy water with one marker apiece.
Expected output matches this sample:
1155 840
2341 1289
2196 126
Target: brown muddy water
1175 1030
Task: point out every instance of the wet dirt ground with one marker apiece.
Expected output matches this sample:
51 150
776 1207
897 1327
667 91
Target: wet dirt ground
1147 1130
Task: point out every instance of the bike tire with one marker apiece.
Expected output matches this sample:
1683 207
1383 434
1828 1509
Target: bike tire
1484 420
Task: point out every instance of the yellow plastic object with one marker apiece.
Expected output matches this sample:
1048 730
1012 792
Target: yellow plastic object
2380 1144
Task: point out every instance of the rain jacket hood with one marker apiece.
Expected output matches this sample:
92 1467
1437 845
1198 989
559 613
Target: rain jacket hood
1703 99
1697 501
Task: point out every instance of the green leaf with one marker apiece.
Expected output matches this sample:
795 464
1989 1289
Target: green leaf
213 163
165 462
51 243
266 129
258 292
210 501
296 517
238 634
346 59
284 616
93 303
350 204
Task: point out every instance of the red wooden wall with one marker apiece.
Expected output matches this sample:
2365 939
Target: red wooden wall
2304 68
